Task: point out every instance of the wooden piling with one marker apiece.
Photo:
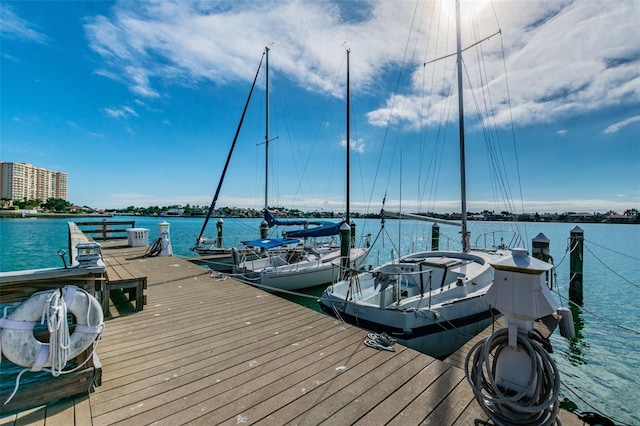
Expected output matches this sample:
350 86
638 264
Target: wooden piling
435 236
353 234
345 246
219 225
540 247
576 244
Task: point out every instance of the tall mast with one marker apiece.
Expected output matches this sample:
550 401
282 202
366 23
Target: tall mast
463 179
348 136
266 132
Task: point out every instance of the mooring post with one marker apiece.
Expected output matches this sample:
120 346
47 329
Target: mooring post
540 247
345 248
104 229
353 234
264 230
435 237
576 244
219 228
540 250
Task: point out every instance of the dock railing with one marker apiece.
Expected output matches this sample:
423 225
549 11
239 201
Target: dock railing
106 229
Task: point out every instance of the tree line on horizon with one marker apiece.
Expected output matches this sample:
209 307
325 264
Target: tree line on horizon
58 205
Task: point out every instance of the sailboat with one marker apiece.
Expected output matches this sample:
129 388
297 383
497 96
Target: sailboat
431 301
297 261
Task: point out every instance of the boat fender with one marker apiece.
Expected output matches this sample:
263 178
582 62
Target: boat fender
567 328
235 256
20 346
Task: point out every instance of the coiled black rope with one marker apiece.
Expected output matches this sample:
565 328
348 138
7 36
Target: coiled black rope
155 248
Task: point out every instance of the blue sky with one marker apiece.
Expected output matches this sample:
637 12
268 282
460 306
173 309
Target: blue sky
139 102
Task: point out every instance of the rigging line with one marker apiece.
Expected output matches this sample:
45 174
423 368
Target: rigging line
610 269
320 127
289 129
566 385
582 308
513 131
568 250
406 91
438 148
613 251
465 49
386 132
497 160
424 112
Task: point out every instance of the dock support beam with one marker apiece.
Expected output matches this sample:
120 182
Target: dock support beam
576 244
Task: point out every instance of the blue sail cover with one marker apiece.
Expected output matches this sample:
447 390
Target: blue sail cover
318 231
273 221
268 243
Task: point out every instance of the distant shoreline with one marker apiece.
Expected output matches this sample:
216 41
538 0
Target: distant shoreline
16 214
26 215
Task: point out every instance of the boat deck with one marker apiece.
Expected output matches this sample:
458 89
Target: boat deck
208 351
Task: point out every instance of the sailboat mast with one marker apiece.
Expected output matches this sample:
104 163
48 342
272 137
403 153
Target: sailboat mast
348 137
266 132
226 164
463 178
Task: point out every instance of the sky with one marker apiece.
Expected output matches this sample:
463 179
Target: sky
139 102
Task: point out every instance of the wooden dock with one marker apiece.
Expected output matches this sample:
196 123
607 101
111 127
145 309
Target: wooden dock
209 351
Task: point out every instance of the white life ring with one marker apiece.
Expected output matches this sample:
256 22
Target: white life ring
20 345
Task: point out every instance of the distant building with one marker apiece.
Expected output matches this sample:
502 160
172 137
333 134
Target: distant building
173 212
582 217
19 181
619 218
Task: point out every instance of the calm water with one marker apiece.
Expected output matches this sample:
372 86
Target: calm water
599 369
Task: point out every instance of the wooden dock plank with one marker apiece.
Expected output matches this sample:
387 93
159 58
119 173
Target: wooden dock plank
207 350
298 378
262 377
61 414
428 400
35 416
386 410
377 393
354 401
305 396
162 377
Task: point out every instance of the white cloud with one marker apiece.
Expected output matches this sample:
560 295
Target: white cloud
121 112
619 125
356 145
17 28
556 66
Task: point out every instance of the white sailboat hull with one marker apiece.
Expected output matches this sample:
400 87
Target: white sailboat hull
429 301
273 272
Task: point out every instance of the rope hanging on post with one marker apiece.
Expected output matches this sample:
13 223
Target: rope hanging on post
506 407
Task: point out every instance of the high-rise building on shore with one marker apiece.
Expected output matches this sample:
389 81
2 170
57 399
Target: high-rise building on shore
19 181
